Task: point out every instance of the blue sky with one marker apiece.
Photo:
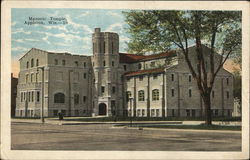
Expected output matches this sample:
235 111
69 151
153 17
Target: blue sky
74 37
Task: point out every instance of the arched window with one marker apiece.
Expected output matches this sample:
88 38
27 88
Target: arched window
32 63
141 95
37 62
76 98
59 98
27 64
155 94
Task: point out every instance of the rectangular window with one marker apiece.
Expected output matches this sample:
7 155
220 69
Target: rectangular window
113 90
104 47
227 81
29 96
157 113
32 96
189 78
173 114
24 95
172 77
193 112
36 77
84 75
172 90
124 67
21 96
152 112
63 62
84 99
143 112
188 112
84 64
138 112
37 96
227 94
103 89
104 63
140 78
190 93
113 63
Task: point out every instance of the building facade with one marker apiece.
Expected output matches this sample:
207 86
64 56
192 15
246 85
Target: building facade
110 83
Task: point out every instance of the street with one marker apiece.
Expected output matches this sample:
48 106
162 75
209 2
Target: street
31 136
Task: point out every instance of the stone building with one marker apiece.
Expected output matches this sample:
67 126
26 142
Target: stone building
110 83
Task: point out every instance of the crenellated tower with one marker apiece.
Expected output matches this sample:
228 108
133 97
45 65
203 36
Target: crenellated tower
105 66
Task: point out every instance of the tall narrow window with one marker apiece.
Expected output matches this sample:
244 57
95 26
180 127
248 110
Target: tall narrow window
190 92
155 95
27 78
139 66
29 97
103 89
63 62
37 62
84 99
103 47
84 75
104 63
227 94
113 63
37 96
21 96
172 90
124 67
93 47
84 64
32 63
32 77
112 48
141 95
227 81
76 98
32 96
113 90
212 94
172 77
36 77
27 64
189 78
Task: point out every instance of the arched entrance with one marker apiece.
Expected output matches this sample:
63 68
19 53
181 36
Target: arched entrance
102 109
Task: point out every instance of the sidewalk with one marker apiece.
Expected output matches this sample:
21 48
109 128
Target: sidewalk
68 122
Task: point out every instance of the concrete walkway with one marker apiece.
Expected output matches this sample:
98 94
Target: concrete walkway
68 122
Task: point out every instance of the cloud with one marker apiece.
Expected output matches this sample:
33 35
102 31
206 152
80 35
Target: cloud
110 13
84 14
114 27
19 49
18 40
85 27
20 30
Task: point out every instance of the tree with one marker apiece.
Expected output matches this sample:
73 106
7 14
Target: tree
158 31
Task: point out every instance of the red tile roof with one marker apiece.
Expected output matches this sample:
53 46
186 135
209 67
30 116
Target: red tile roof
132 58
140 72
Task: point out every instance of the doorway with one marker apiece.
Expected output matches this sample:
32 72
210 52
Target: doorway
102 109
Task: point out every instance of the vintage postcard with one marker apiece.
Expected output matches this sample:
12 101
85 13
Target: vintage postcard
125 80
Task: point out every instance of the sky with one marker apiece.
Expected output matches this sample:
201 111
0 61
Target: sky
73 37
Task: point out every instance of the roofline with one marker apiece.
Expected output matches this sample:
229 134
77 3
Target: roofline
162 71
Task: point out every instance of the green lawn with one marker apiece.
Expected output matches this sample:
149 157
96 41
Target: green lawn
107 119
202 127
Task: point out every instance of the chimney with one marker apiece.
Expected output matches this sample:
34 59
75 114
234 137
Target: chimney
97 30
